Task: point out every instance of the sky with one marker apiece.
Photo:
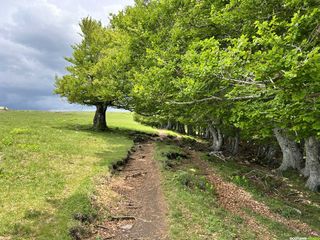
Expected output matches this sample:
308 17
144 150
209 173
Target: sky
35 36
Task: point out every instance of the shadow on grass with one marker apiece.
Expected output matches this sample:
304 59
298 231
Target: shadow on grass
56 221
61 225
89 129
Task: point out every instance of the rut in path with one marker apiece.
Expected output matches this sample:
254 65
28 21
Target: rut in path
139 210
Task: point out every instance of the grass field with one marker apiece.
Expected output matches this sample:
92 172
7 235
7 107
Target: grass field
48 164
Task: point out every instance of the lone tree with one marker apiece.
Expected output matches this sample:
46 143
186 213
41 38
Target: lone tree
97 74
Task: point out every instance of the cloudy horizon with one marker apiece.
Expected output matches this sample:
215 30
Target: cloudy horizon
35 36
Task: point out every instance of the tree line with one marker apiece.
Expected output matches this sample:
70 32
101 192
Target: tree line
227 70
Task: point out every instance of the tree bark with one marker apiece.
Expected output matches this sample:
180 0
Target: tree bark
190 130
292 156
207 134
312 168
99 121
180 128
169 125
235 143
217 138
174 126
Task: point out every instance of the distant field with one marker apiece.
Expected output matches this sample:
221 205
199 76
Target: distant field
48 163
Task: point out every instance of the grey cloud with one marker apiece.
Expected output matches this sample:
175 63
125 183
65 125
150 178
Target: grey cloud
34 38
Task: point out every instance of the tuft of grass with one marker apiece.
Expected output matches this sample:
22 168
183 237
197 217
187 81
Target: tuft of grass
240 180
48 166
193 182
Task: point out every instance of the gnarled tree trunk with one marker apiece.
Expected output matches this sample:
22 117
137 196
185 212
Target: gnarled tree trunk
99 121
217 138
292 156
312 168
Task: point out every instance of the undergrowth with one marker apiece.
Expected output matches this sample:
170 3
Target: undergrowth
283 194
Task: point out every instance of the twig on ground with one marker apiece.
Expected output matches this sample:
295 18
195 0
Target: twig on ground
113 218
218 155
144 220
248 173
103 227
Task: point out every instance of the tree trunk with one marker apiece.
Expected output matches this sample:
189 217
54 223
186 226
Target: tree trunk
217 138
235 143
292 156
207 134
99 121
180 128
190 130
174 126
169 125
312 168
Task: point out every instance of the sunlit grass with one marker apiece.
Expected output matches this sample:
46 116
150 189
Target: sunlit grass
48 163
194 213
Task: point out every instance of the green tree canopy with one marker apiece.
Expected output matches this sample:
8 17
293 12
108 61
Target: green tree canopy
97 71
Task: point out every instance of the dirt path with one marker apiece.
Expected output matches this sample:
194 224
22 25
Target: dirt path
236 200
138 208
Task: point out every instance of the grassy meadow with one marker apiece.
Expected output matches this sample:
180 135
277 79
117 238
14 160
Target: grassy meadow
48 165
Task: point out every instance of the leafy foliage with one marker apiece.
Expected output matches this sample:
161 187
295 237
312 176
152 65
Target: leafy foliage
212 68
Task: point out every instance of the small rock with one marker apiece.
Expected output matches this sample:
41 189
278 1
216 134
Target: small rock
126 227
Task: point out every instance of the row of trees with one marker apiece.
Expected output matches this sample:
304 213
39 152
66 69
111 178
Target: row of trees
217 68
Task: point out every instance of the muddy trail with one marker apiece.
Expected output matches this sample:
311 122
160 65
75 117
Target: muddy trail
137 209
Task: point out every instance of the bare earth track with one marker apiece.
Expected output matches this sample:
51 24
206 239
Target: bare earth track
138 210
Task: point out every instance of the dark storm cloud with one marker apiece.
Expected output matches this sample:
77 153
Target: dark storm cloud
34 38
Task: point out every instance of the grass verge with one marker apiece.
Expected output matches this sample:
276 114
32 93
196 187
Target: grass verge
284 195
48 166
193 209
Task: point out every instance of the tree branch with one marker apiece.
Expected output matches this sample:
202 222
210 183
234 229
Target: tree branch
212 98
251 82
196 101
